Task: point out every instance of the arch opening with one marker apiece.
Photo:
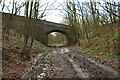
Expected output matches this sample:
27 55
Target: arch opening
57 39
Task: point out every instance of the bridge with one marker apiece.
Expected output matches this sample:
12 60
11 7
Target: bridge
38 31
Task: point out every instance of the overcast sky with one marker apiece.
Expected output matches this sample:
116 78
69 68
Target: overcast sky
55 15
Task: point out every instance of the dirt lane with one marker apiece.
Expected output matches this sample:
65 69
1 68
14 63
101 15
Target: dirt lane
67 63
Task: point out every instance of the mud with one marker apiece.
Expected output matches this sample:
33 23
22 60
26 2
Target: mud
68 63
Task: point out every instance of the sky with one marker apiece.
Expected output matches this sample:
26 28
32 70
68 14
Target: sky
55 15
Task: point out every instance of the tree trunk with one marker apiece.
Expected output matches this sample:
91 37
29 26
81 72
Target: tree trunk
26 36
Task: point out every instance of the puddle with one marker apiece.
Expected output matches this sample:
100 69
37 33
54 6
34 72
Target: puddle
54 51
104 67
64 50
80 72
42 75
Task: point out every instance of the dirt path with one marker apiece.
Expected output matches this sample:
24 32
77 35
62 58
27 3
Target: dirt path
67 63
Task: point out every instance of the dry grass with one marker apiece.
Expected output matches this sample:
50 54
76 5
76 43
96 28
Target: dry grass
12 63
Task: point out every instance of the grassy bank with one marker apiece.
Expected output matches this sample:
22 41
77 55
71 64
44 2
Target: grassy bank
105 44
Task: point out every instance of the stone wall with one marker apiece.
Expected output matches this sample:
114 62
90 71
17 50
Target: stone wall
39 30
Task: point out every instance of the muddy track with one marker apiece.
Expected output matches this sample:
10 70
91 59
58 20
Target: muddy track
91 67
68 63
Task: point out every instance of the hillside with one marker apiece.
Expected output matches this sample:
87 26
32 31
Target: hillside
13 63
104 45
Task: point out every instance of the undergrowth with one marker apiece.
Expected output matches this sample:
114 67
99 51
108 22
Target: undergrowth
13 63
105 44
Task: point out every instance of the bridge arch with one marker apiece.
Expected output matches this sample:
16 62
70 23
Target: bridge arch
40 31
60 32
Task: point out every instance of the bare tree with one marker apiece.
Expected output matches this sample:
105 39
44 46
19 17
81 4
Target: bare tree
32 10
2 4
14 12
71 17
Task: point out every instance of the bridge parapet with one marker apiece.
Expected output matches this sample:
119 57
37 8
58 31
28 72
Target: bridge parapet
39 32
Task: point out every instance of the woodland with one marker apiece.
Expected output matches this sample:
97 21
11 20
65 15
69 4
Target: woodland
94 25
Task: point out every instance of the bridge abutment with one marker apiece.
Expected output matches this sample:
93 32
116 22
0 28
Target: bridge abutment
39 32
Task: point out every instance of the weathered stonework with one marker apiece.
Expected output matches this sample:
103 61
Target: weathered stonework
39 32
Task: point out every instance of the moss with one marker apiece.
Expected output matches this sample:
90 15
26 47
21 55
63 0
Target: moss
96 52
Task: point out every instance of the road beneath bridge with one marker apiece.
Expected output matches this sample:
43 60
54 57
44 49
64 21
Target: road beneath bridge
70 63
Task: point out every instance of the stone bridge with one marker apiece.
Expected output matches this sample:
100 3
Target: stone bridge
38 31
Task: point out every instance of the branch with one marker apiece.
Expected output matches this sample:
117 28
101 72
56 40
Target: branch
47 9
0 1
8 8
18 8
3 4
113 4
109 11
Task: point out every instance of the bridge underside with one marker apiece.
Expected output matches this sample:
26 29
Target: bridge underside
38 29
